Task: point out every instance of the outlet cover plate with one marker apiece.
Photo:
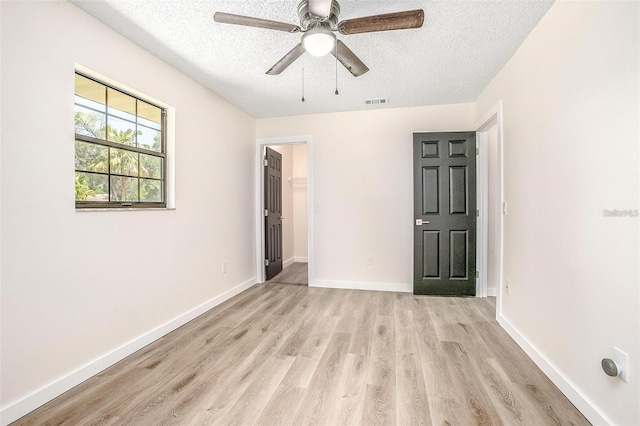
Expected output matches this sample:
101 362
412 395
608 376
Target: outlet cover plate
622 359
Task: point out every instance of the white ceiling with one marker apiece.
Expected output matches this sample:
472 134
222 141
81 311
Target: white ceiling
459 49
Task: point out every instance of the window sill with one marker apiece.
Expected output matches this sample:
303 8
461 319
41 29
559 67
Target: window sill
124 209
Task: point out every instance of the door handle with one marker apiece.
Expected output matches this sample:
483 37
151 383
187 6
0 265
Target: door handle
421 222
281 217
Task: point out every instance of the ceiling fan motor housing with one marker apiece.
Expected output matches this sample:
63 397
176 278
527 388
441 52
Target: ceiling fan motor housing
308 20
318 21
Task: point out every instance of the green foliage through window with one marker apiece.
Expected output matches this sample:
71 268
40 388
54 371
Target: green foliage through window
119 148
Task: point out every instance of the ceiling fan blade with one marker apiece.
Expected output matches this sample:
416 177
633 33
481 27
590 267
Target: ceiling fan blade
230 18
320 8
287 60
386 22
349 60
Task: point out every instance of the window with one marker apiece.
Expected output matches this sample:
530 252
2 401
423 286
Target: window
120 148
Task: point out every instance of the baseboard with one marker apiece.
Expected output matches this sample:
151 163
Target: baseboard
492 292
363 285
293 260
566 386
48 392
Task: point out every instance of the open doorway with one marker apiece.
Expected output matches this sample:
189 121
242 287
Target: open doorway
286 228
491 205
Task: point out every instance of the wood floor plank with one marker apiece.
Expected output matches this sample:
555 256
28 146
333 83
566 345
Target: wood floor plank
380 395
301 372
253 400
317 342
518 366
466 378
411 393
507 399
280 408
347 320
352 391
298 338
404 331
422 321
551 405
289 355
296 273
159 403
473 311
320 397
488 307
361 343
385 303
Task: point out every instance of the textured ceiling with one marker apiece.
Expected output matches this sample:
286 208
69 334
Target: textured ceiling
459 49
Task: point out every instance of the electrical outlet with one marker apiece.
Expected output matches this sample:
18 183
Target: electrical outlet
369 260
507 286
622 359
224 267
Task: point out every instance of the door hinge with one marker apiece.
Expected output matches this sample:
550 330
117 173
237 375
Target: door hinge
477 213
266 262
266 212
477 274
265 162
477 151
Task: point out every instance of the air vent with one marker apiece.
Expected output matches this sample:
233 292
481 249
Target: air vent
377 101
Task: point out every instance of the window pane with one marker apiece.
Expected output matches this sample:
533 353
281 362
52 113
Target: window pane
90 93
89 123
104 174
91 187
150 166
149 115
150 190
149 138
124 189
124 162
89 104
121 105
91 157
122 131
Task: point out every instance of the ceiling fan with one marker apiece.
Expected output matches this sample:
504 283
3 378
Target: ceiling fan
318 21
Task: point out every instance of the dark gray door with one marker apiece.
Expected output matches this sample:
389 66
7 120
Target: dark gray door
273 211
444 167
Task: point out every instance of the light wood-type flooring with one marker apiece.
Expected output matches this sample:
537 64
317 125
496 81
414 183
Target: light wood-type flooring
280 354
296 273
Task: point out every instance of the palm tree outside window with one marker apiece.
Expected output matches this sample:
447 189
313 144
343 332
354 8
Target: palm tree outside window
119 148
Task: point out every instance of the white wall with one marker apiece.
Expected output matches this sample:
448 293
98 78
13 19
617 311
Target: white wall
363 188
570 99
287 202
77 286
300 209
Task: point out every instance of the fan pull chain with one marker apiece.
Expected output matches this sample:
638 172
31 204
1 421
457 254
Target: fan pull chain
337 67
302 85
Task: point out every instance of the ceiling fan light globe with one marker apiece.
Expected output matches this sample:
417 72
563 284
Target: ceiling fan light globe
318 41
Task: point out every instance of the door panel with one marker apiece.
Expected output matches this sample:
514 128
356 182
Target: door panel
459 264
430 198
445 204
273 206
431 252
458 190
